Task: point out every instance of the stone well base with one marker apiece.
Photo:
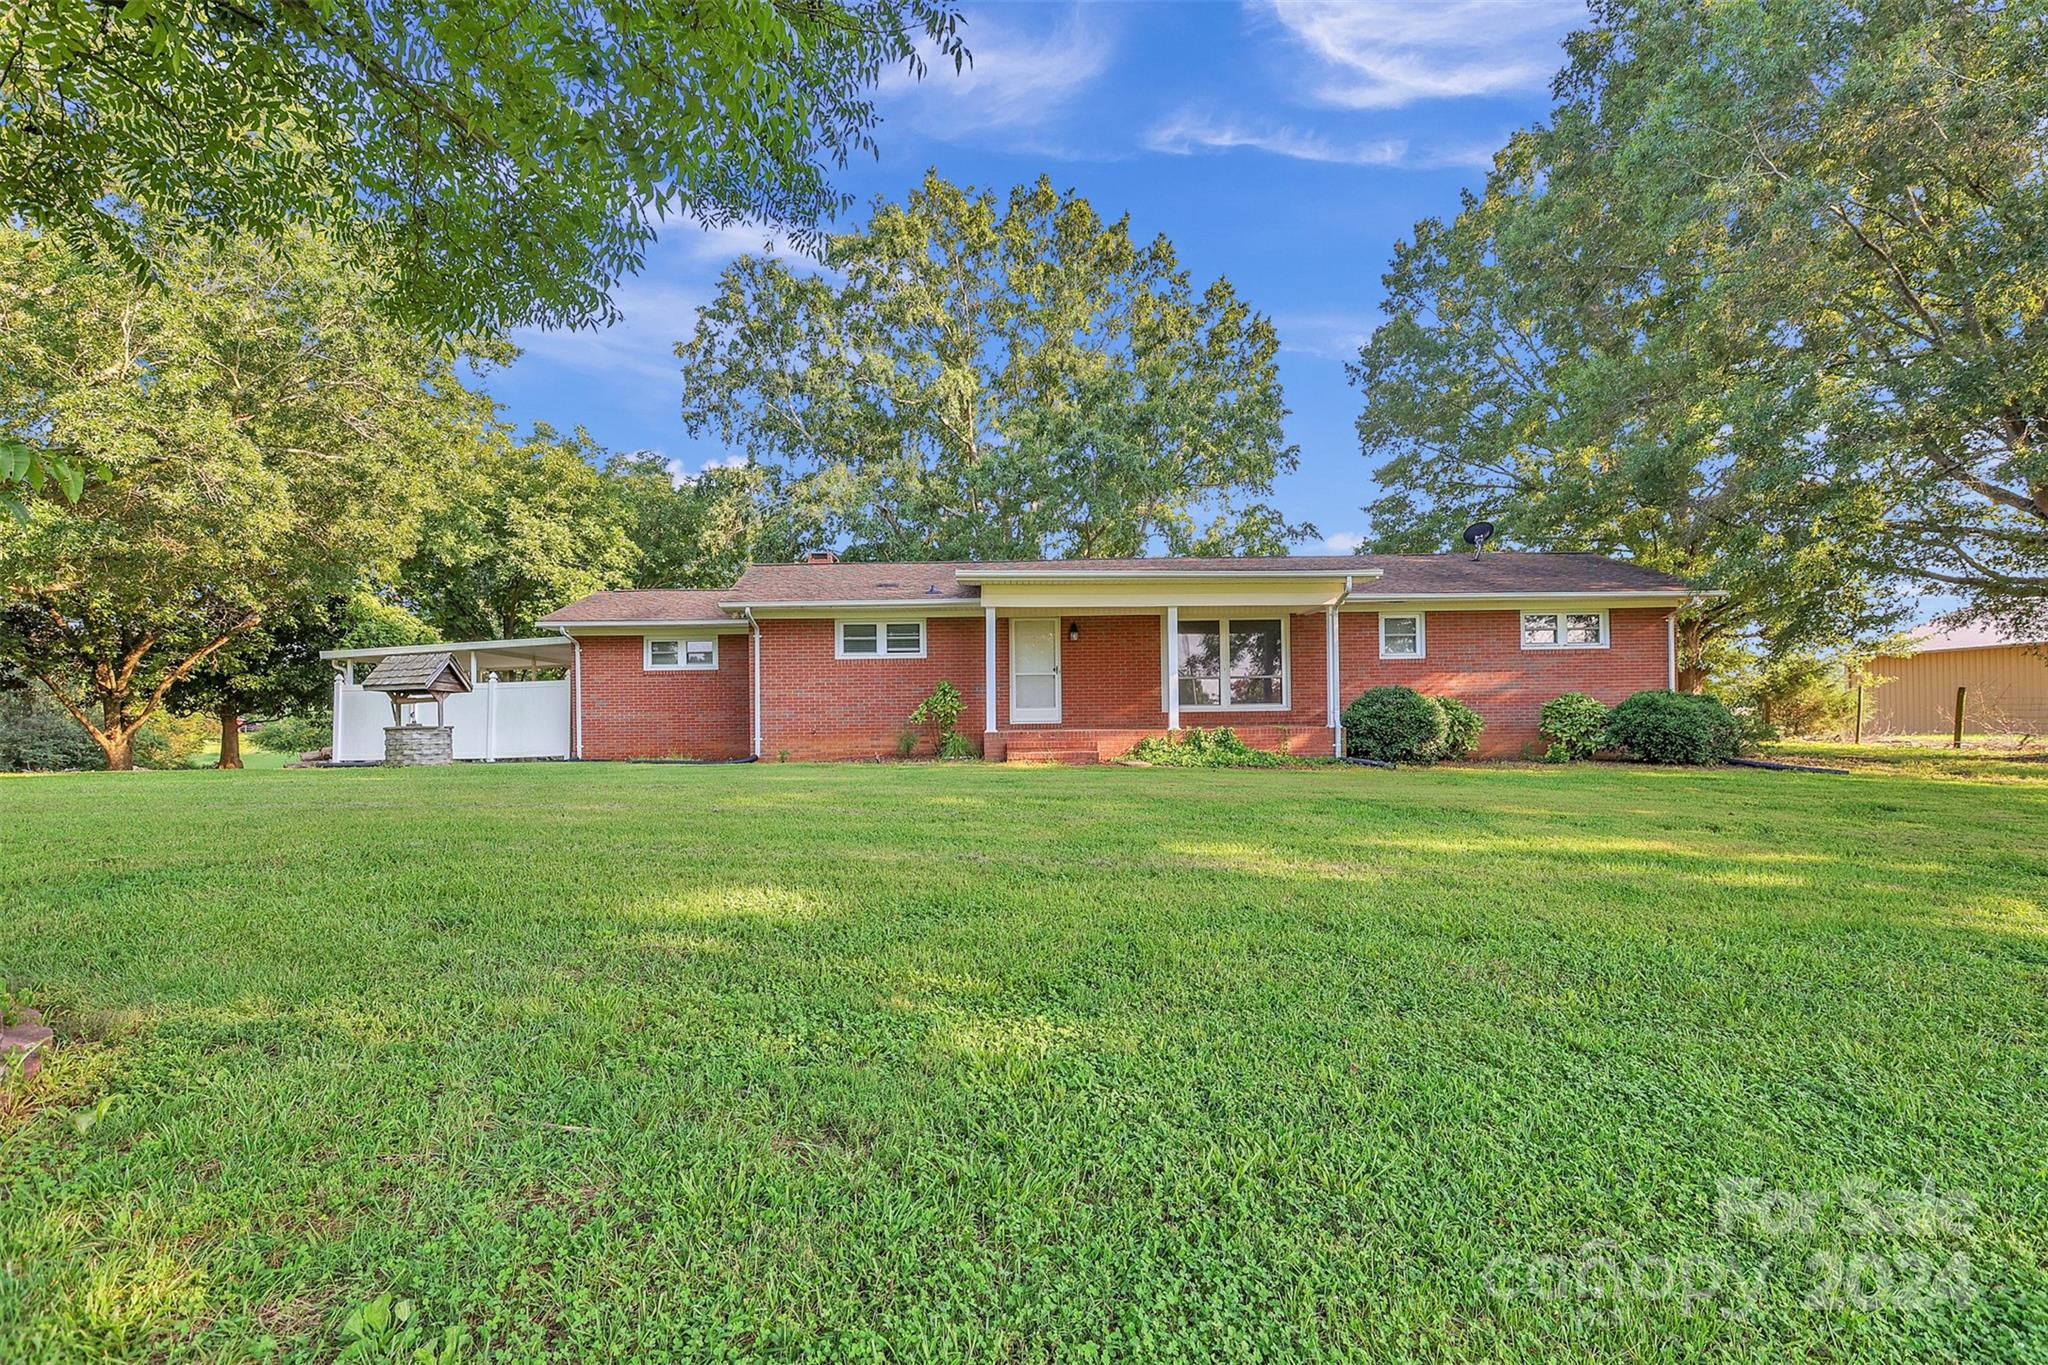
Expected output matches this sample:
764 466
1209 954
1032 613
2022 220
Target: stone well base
414 746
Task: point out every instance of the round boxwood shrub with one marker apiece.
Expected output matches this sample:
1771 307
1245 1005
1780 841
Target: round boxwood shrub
1673 727
1461 728
1576 725
1394 725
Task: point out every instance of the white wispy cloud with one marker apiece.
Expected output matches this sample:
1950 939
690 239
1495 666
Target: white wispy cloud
1382 54
655 313
1021 78
1189 132
1341 543
1326 336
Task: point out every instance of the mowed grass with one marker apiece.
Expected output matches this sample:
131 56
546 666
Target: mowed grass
963 1062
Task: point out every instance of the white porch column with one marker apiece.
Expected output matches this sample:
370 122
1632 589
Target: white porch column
1331 677
988 665
490 717
1172 673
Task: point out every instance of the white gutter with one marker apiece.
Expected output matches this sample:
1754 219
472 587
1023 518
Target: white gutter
907 603
567 626
1085 575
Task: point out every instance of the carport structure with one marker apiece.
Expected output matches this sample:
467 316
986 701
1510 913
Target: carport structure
506 716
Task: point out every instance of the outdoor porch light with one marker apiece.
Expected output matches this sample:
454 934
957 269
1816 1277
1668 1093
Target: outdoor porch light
1073 630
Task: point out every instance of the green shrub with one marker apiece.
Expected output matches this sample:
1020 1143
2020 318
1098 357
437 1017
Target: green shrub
1576 725
957 745
168 741
38 735
295 735
941 710
1394 725
1199 748
1461 729
1674 727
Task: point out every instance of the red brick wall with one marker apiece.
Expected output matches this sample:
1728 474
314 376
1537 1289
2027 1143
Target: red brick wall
630 712
1477 657
1110 677
816 706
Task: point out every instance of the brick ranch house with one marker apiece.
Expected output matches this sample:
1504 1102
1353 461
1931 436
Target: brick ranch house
1077 660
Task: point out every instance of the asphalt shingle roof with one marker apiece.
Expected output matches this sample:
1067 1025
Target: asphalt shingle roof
1446 575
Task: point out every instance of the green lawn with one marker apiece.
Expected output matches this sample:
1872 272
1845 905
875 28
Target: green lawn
928 1063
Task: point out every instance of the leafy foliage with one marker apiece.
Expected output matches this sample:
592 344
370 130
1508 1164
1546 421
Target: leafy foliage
1394 725
264 435
1462 727
36 735
1758 305
1199 748
296 734
509 161
975 379
940 709
1674 727
1576 725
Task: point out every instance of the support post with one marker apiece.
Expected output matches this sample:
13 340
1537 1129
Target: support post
1958 742
1859 713
340 707
491 719
1172 672
1330 679
988 671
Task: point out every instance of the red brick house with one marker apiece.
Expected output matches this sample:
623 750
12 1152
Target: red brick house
1078 660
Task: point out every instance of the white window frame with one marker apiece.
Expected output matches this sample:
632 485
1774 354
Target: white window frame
1522 628
1421 633
682 644
1223 624
882 650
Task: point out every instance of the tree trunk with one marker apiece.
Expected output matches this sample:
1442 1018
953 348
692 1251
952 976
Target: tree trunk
117 739
1691 678
230 739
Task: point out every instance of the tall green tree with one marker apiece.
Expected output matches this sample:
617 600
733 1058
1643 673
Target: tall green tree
514 531
982 378
1762 302
691 531
264 436
508 160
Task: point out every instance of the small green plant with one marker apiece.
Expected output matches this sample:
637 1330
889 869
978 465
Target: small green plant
957 745
1461 729
941 710
384 1330
906 743
1576 726
1674 727
1199 748
1394 725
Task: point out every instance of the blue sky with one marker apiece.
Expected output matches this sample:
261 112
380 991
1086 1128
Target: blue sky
1282 144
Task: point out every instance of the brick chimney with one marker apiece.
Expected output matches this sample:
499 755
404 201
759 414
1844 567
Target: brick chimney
821 557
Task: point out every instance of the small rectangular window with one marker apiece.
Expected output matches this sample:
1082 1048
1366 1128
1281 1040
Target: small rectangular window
682 653
700 654
875 639
1564 630
663 654
1401 637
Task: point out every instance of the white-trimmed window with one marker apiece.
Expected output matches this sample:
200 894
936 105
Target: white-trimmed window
880 639
1402 635
671 652
1225 663
1564 630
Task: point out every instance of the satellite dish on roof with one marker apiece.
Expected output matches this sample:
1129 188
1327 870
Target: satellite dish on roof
1478 533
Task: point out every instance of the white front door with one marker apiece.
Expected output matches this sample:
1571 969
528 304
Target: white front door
1034 670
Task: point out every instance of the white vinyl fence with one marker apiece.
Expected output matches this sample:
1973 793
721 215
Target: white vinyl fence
498 720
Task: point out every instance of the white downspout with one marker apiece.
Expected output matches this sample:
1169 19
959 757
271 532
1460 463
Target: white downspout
754 663
576 694
1671 652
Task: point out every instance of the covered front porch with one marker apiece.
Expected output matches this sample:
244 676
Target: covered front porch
1078 670
522 705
